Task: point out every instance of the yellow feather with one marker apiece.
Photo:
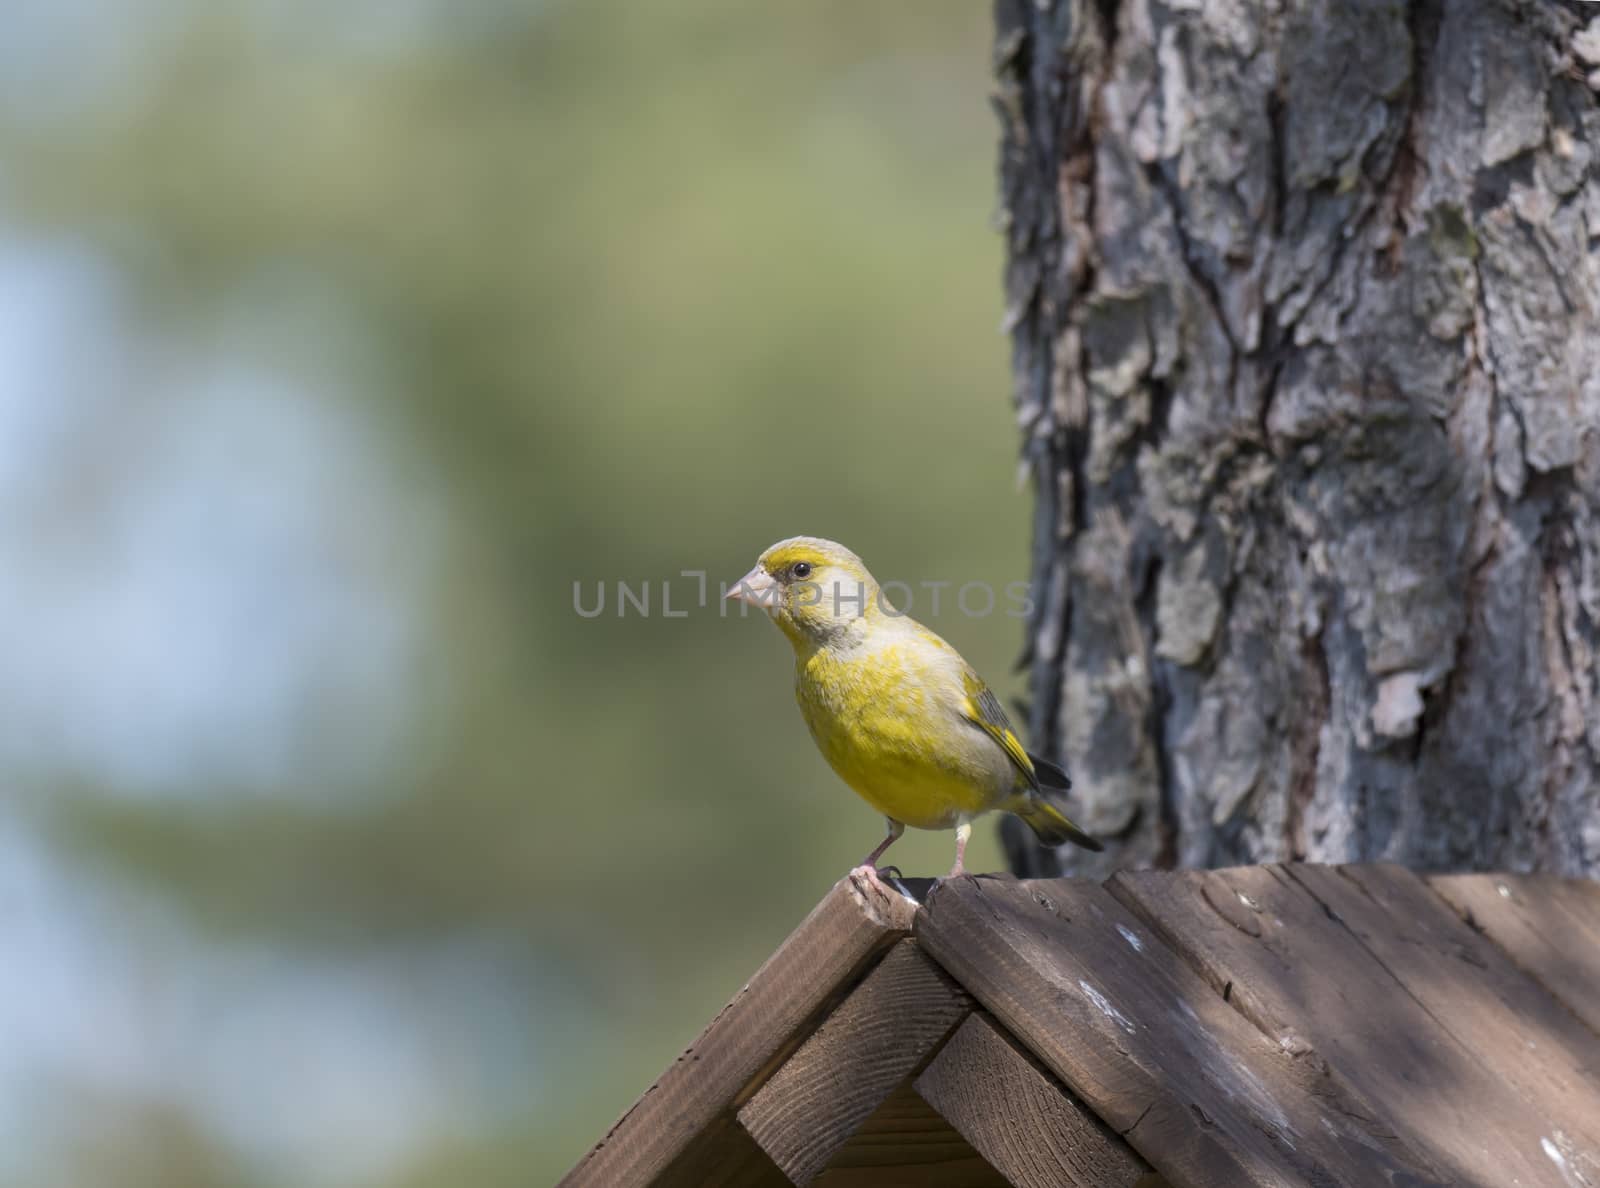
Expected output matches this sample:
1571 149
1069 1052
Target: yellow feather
871 718
984 710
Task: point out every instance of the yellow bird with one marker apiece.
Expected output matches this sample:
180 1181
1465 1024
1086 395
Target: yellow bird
895 710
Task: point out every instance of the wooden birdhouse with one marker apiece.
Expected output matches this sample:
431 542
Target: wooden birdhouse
1274 1025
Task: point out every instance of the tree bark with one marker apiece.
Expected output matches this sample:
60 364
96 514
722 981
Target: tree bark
1305 308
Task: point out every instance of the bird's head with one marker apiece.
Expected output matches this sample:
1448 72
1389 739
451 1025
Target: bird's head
815 590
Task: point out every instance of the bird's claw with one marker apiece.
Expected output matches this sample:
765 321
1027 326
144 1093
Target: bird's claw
885 878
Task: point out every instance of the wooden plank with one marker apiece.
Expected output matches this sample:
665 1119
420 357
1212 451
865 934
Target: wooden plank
906 1144
1201 1094
1550 927
724 1157
847 1067
1299 973
1020 1118
838 942
1519 1032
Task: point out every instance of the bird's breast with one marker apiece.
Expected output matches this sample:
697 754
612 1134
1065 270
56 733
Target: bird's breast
887 723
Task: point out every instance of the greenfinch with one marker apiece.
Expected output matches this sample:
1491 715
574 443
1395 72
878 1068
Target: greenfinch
898 714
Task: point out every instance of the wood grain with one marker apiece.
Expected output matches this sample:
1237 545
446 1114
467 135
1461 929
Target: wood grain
851 1063
1288 960
906 1144
813 969
1516 1029
1201 1094
1019 1117
724 1156
1550 927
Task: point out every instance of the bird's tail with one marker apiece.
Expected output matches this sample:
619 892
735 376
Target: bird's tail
1050 824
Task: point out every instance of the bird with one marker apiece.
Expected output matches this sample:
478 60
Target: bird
901 718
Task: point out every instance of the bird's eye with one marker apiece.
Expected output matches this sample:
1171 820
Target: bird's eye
802 569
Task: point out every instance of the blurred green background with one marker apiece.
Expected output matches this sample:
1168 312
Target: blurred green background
336 344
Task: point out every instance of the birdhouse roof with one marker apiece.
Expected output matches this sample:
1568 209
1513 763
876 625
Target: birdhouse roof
1270 1025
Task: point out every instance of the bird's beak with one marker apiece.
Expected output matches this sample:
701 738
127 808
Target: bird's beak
756 587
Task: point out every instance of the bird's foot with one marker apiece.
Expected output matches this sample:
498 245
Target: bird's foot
880 877
958 868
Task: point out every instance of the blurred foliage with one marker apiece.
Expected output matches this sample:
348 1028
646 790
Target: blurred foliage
632 290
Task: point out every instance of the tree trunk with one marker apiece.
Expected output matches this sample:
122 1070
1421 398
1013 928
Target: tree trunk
1305 306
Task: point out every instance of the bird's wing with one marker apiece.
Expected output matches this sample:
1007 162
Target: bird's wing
984 711
1050 774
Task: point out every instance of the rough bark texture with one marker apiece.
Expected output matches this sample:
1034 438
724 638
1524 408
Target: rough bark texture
1305 305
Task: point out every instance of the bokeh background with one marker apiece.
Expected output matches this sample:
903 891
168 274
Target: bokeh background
337 342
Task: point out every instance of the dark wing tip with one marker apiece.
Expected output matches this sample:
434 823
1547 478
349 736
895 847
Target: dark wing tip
1050 775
